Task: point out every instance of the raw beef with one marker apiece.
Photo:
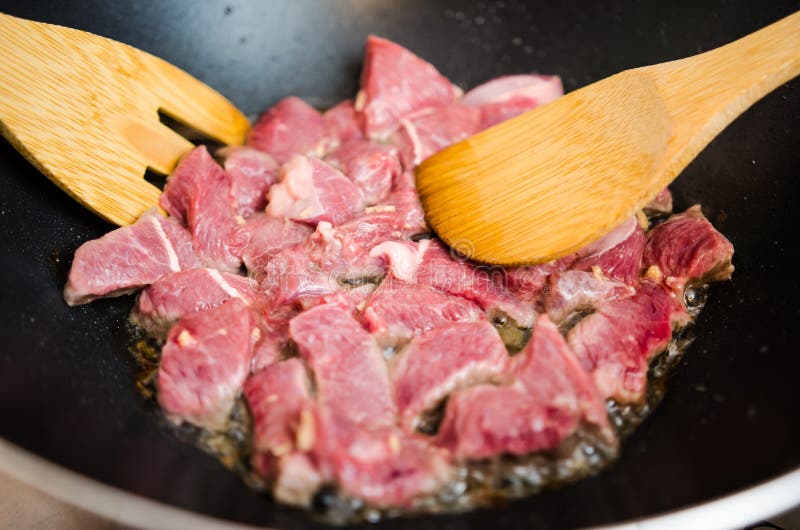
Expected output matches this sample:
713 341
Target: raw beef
268 235
311 191
508 96
350 374
442 271
199 193
251 173
354 439
397 311
372 167
291 127
547 403
129 258
204 364
277 397
616 342
181 293
618 255
396 84
444 359
384 466
342 122
420 137
527 282
686 247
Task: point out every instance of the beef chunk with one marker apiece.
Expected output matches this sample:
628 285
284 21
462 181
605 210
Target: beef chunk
442 271
505 97
199 194
617 255
396 84
268 235
291 127
251 173
420 137
349 370
398 311
616 342
311 191
342 122
204 364
685 248
384 465
277 396
442 360
129 258
372 167
181 293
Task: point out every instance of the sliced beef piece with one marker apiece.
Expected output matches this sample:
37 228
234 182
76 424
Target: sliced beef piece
551 397
311 191
268 235
505 97
290 127
204 363
396 84
570 292
398 311
616 342
351 376
617 255
181 293
660 204
199 194
372 167
443 360
553 375
252 172
420 137
441 270
128 258
685 248
485 421
342 122
278 396
528 281
383 466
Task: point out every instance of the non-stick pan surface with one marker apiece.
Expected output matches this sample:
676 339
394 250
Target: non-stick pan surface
731 417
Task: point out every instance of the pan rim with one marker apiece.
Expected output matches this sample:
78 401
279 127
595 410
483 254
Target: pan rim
745 506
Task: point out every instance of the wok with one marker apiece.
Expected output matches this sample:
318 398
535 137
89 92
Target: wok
731 417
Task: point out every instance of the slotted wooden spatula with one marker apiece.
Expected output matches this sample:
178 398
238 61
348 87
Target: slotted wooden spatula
548 182
84 110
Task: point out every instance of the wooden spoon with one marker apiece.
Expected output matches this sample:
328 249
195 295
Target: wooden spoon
548 182
84 109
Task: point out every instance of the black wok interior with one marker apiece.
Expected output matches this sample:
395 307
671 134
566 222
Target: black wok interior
731 417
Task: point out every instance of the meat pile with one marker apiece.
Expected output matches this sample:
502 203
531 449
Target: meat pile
300 276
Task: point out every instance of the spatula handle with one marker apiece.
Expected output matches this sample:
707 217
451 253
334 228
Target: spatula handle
704 93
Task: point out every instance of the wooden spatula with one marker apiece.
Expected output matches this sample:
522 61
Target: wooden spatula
548 182
84 110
